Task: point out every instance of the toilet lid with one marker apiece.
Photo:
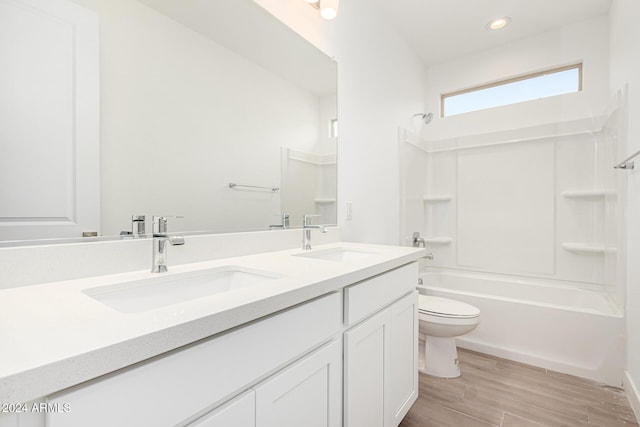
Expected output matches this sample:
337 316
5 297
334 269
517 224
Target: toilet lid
446 307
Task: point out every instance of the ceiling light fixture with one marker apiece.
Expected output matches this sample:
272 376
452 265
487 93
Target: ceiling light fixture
328 8
498 23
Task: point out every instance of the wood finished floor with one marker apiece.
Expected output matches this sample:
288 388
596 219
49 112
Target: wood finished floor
498 392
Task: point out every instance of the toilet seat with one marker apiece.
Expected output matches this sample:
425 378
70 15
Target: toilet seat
445 307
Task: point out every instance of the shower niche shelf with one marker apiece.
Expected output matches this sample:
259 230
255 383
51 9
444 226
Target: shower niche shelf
438 240
437 198
585 248
587 194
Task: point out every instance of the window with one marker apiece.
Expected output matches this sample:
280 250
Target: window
557 81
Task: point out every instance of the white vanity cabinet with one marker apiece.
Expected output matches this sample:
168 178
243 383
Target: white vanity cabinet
182 385
307 393
381 352
344 359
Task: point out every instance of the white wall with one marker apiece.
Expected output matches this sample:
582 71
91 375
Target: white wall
507 213
182 116
380 86
585 41
625 68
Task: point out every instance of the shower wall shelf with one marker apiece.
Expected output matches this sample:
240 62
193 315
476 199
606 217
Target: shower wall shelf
324 201
438 240
438 198
587 194
587 249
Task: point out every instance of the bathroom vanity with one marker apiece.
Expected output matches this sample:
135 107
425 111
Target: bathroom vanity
326 337
245 328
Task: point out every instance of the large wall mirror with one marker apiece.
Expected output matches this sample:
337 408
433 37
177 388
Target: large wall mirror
193 95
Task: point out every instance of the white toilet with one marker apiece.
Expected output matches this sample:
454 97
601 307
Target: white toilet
440 321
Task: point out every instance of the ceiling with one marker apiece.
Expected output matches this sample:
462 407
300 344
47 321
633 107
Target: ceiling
440 30
250 31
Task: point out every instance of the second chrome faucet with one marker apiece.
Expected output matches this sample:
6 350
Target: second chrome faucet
160 241
306 231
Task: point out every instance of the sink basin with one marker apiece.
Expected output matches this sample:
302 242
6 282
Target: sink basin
336 255
167 289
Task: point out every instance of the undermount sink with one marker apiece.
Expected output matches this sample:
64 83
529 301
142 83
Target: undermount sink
336 255
168 289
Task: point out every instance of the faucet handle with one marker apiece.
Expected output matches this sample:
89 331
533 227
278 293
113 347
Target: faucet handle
306 218
417 240
161 222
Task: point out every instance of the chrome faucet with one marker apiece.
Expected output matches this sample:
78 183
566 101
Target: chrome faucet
306 231
160 240
420 242
284 218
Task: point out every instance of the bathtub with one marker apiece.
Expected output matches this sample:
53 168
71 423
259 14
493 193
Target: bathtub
561 326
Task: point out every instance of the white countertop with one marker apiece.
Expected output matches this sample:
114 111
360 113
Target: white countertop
53 336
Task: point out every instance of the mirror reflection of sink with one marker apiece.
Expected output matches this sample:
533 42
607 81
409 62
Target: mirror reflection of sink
336 255
168 289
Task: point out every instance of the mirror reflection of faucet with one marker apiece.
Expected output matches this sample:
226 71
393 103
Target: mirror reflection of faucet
138 227
284 222
306 231
160 240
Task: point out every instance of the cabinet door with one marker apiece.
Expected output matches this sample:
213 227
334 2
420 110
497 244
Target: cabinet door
239 412
308 393
403 355
381 366
366 371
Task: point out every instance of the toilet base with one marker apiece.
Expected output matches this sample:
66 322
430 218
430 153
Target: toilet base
440 357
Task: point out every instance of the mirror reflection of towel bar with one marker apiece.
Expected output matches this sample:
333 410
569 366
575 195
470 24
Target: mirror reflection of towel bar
234 185
626 163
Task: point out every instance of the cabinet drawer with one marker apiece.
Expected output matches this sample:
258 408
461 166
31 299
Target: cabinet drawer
366 297
186 382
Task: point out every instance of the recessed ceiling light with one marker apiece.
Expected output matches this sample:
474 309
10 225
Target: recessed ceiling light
498 23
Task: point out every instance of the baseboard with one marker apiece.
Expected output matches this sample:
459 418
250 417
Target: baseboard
633 394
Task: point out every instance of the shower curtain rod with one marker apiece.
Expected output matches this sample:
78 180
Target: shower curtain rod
626 164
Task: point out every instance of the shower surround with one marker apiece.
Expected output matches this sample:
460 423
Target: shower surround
542 204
